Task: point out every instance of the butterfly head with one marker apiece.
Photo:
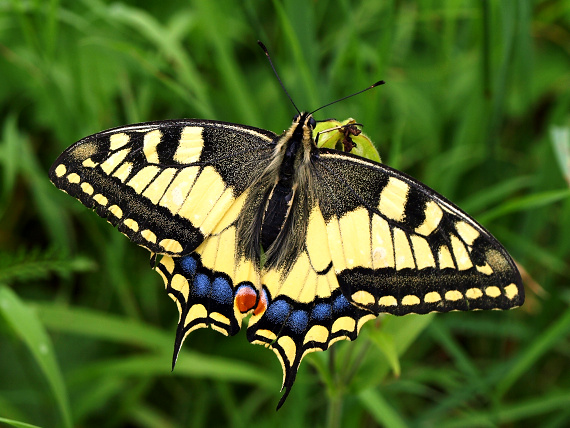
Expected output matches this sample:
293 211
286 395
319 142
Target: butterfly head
305 119
302 130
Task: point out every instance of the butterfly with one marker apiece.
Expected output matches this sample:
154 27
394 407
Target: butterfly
309 242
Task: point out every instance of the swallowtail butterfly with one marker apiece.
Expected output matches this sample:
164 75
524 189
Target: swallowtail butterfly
312 242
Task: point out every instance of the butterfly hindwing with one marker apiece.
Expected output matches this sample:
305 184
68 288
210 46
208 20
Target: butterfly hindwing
206 297
164 184
306 309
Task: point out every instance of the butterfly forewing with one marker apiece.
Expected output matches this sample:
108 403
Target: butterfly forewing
167 184
399 247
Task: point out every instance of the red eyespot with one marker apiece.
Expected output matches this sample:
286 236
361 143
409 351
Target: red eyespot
246 298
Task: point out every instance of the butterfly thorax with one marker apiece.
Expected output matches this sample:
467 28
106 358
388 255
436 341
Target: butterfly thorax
282 198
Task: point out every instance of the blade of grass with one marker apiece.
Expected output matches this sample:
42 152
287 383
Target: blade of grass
382 412
17 424
28 327
529 356
525 203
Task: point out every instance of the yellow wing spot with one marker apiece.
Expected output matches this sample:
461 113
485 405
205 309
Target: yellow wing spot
433 215
88 163
335 244
216 316
444 256
60 170
232 213
316 333
195 312
132 224
467 232
410 300
326 284
511 291
245 270
383 249
84 151
493 291
363 298
87 188
432 297
388 301
168 263
268 334
316 241
209 251
295 281
100 199
355 232
422 252
116 211
309 288
206 190
179 283
114 160
143 178
363 321
393 199
337 339
404 256
150 142
288 346
219 329
156 189
218 211
118 140
149 236
473 293
461 254
194 327
73 178
343 323
223 260
178 190
123 172
485 269
171 245
190 145
453 295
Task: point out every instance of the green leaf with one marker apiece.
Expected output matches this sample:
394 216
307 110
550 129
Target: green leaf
333 134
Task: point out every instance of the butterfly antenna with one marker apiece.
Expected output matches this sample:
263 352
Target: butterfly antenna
380 82
277 75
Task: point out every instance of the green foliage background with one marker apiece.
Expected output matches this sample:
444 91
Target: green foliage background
476 105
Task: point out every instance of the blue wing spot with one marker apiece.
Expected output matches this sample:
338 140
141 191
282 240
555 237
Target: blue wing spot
298 321
189 265
201 285
278 311
340 304
222 291
321 312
